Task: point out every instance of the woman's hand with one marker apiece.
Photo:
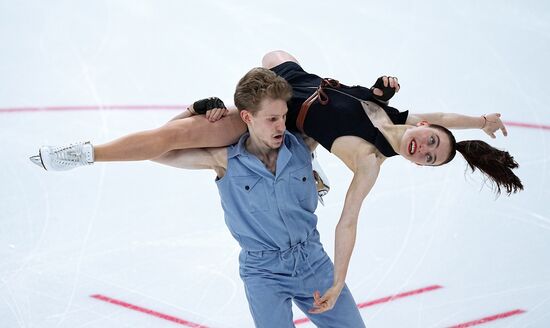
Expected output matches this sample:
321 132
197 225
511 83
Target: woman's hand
327 302
492 123
385 87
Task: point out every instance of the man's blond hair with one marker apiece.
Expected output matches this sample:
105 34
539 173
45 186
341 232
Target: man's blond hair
260 83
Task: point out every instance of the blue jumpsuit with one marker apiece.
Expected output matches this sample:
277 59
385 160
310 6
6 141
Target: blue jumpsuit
272 217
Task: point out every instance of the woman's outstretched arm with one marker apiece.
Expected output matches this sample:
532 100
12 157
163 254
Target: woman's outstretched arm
489 123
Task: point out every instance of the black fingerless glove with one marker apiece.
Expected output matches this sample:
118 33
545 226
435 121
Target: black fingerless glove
204 105
387 92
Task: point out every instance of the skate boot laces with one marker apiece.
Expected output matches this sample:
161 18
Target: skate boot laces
70 155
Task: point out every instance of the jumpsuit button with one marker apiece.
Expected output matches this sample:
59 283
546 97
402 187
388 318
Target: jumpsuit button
304 179
247 188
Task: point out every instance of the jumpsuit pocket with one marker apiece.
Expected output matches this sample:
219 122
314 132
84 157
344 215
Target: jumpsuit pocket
251 190
303 187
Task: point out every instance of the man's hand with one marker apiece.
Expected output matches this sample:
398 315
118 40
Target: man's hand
215 114
212 107
385 87
327 302
492 124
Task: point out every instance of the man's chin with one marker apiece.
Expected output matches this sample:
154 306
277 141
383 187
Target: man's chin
276 145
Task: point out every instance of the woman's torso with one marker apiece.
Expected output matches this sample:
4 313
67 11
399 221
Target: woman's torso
343 115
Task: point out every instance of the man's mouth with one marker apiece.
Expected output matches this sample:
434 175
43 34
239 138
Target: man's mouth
412 147
278 137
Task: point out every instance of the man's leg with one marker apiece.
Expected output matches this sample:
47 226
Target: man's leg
270 305
345 313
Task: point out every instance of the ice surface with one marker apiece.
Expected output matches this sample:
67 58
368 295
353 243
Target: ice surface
139 232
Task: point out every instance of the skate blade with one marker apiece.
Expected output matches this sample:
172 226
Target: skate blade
321 200
36 159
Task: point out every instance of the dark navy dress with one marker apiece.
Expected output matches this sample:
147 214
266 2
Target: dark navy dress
341 116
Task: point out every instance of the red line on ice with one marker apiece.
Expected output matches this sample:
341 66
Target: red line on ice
173 107
385 299
148 311
98 107
528 125
488 319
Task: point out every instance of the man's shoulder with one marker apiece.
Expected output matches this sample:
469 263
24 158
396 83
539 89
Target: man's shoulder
298 140
237 148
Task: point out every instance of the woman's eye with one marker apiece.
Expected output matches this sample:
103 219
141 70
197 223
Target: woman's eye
428 158
432 140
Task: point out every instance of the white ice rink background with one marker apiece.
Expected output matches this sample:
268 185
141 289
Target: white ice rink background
141 245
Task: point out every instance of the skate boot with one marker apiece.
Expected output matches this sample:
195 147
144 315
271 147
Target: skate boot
64 158
321 180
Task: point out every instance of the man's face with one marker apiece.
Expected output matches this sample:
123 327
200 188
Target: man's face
424 145
267 125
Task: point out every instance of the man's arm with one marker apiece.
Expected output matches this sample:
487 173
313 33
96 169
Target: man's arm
185 114
213 108
197 159
489 123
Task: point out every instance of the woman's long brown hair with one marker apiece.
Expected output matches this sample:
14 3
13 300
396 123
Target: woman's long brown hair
495 164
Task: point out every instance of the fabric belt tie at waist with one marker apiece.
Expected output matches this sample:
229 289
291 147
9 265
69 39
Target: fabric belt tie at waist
320 95
298 253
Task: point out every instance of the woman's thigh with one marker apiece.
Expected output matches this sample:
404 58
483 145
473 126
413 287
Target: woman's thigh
199 132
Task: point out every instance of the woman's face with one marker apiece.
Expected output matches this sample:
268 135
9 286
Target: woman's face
424 145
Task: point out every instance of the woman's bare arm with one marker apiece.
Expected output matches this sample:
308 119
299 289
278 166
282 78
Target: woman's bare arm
365 164
489 123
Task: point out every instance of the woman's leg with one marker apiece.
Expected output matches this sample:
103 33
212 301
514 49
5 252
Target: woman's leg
192 132
274 58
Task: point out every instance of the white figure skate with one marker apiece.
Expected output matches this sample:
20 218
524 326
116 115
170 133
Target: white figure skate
63 158
321 179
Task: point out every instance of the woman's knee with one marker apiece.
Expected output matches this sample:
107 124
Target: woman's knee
198 132
175 134
274 58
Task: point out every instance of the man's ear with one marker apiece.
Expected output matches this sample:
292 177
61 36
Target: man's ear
245 116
